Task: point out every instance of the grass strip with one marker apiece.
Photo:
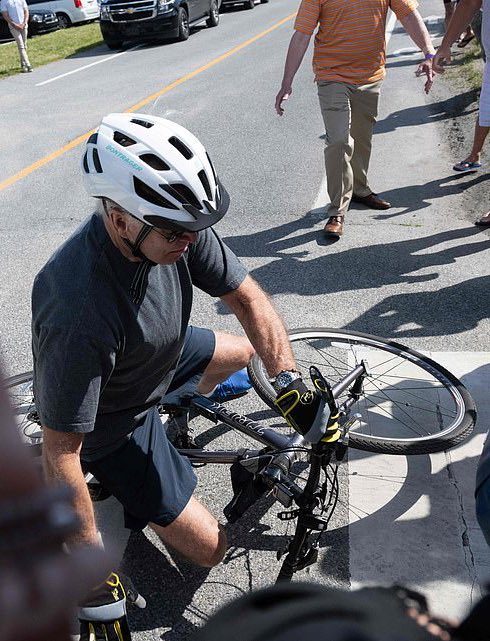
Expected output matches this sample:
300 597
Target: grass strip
467 66
50 47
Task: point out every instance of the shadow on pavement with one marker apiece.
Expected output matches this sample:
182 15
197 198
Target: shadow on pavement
448 311
168 589
459 105
418 197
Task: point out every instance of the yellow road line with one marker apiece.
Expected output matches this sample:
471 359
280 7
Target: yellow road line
77 141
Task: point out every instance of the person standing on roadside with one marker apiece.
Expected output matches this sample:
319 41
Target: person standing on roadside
349 65
463 14
16 15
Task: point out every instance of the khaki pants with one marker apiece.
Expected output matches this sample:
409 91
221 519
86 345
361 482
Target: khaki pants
349 113
20 38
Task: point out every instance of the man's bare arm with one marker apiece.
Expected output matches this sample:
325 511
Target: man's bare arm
61 461
262 324
464 13
296 52
416 29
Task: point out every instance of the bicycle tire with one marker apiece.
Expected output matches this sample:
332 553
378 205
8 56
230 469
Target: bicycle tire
447 404
19 388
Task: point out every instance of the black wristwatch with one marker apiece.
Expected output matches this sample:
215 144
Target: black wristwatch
285 378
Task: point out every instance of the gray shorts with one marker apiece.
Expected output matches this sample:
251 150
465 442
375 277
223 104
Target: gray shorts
147 474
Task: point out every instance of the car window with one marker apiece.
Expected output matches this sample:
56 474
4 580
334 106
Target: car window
34 2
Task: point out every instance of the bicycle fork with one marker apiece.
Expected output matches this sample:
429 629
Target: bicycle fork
300 553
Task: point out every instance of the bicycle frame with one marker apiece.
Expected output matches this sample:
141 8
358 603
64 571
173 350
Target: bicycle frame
216 412
274 472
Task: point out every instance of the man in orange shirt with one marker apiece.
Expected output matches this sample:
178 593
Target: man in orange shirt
349 65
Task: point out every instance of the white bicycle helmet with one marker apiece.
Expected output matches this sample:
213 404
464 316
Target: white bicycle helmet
156 170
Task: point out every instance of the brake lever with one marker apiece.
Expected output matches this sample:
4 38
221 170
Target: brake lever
331 434
324 387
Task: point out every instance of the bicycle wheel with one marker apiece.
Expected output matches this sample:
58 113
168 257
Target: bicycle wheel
410 404
21 395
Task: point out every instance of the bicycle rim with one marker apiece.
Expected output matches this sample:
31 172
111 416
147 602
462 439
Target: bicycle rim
21 396
410 404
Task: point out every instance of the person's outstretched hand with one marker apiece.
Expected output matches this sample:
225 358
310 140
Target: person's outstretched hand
441 59
281 97
425 68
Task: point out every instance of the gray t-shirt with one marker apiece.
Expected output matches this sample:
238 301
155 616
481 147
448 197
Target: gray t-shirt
101 360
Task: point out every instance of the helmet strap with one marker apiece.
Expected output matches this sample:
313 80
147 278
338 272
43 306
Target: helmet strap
143 233
135 247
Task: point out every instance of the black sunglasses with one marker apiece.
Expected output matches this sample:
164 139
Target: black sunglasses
172 236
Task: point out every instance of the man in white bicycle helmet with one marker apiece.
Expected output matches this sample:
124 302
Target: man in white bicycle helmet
111 333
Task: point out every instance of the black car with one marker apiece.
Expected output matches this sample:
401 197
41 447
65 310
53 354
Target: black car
122 20
39 22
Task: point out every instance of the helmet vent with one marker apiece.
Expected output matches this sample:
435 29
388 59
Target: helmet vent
179 145
155 162
85 164
150 195
123 140
142 123
183 194
205 183
212 167
96 159
92 140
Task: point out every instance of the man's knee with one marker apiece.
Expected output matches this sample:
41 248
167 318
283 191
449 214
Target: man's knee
233 350
247 350
215 552
337 150
195 534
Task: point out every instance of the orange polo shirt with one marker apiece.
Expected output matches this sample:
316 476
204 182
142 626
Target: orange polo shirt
350 42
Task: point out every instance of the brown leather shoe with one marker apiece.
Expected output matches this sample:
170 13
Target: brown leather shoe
373 201
334 227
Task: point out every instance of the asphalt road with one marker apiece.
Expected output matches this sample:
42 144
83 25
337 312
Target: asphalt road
417 272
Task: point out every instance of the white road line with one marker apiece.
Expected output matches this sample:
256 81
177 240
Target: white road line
92 64
408 529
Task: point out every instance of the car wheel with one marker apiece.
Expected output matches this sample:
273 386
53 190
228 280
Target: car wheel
183 20
64 20
213 19
250 4
113 44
